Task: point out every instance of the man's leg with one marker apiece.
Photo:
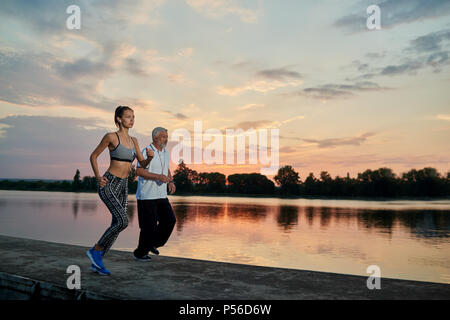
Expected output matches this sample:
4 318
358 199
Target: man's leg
167 220
147 223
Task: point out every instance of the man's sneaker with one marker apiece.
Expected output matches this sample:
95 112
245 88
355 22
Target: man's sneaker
144 258
103 272
96 258
154 250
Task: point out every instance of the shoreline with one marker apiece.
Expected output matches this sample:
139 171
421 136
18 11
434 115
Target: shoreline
243 195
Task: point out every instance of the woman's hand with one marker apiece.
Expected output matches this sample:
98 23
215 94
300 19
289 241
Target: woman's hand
102 181
163 178
150 153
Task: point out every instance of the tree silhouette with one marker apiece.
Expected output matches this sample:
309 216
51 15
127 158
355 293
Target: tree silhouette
250 183
211 182
425 182
309 187
288 180
381 182
184 178
76 184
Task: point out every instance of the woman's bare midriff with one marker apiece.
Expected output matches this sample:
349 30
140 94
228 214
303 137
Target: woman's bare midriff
120 169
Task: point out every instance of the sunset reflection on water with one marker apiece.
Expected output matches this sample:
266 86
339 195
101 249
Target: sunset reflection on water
406 239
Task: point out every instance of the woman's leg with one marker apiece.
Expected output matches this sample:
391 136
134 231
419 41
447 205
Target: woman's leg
119 222
114 194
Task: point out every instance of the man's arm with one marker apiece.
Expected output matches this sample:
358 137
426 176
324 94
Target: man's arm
151 176
141 172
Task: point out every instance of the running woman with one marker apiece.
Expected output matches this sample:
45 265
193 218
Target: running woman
113 185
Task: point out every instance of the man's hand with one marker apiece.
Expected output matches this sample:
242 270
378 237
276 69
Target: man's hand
150 153
172 187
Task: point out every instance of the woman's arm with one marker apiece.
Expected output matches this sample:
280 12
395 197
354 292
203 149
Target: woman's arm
150 154
106 140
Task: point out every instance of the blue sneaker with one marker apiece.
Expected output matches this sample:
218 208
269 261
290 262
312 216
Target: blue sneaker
96 257
103 272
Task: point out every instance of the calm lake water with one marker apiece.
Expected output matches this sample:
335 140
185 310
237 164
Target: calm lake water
406 239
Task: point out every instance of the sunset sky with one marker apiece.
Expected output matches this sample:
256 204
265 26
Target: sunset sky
345 98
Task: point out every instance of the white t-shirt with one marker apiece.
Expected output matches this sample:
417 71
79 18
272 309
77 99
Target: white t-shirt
154 189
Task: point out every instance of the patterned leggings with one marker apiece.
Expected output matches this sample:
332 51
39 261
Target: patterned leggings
115 196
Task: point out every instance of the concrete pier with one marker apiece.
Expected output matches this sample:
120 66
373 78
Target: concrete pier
31 269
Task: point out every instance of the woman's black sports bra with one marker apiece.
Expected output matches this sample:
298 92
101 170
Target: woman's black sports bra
121 153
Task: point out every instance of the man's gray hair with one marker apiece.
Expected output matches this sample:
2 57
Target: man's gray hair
156 131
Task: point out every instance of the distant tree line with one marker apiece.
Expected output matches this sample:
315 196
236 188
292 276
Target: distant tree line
383 182
87 184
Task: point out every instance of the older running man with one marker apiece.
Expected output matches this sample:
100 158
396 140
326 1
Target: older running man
156 217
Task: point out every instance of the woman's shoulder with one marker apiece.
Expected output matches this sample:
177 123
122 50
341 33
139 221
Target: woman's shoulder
135 140
135 143
111 136
107 136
